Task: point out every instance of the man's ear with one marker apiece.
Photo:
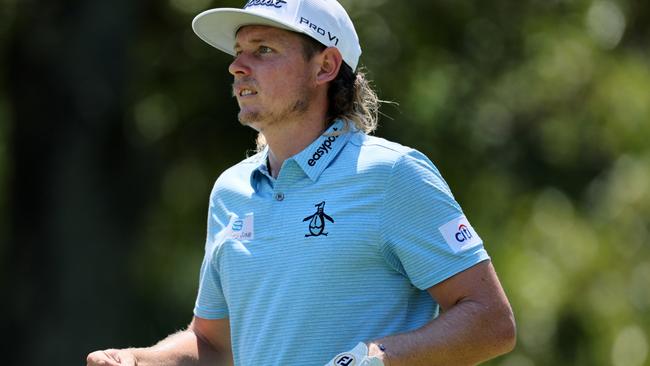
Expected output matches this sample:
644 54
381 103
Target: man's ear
330 61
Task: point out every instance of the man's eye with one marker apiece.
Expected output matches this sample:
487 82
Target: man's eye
264 49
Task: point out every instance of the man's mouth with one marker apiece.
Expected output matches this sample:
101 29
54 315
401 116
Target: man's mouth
244 88
246 92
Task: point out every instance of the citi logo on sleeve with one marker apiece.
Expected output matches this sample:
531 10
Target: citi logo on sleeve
459 234
463 233
273 3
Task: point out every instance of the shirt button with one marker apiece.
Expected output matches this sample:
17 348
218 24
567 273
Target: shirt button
279 196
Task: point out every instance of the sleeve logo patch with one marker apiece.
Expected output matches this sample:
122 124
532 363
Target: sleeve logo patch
459 234
240 228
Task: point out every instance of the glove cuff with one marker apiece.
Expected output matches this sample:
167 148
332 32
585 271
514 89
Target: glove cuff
358 356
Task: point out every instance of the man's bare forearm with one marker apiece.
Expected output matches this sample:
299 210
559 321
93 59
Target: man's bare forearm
184 348
205 342
476 325
467 334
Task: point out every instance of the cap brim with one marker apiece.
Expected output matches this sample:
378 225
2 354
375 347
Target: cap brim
218 27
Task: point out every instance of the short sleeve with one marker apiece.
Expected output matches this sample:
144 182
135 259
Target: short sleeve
210 300
425 234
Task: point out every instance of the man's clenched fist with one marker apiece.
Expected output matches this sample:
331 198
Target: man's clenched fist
111 357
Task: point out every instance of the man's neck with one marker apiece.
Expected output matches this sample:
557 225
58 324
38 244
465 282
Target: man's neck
290 138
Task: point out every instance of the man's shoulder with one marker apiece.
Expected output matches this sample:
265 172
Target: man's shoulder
239 172
384 159
380 151
380 143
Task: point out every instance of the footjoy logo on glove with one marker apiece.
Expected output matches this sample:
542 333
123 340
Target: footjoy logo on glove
345 359
273 3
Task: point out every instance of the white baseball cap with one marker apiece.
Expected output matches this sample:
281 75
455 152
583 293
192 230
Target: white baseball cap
323 20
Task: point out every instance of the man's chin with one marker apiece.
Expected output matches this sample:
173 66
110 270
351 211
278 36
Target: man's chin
250 119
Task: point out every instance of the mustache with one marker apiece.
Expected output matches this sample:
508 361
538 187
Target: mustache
246 81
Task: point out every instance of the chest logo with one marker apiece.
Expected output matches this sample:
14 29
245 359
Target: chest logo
317 221
240 228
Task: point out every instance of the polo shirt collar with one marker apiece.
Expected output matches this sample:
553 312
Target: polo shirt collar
261 169
314 158
319 154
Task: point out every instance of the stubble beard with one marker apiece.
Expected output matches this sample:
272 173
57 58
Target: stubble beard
269 118
266 118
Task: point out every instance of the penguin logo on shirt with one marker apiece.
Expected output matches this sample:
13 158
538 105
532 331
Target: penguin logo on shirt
317 221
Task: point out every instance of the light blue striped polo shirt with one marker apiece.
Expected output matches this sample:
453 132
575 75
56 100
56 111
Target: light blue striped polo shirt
339 249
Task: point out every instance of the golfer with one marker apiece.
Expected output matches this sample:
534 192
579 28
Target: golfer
329 246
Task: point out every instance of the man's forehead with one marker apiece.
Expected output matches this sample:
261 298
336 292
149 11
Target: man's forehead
259 33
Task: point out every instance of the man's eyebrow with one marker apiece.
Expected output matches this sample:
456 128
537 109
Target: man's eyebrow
254 41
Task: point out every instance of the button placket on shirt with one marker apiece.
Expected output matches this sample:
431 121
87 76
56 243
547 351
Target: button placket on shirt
290 174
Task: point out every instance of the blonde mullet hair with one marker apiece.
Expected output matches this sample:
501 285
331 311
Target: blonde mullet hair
356 102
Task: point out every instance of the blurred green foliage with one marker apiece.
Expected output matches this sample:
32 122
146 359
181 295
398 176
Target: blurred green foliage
537 113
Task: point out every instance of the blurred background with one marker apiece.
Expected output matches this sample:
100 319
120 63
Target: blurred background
115 120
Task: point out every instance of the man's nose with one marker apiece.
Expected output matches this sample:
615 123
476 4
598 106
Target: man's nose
239 67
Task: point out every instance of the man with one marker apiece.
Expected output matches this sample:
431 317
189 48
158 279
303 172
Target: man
329 246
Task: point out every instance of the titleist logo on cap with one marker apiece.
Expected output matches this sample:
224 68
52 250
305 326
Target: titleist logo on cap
273 3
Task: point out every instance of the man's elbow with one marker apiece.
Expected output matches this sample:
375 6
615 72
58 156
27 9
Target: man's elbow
505 331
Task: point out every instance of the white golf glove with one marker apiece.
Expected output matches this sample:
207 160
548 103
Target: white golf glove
358 356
